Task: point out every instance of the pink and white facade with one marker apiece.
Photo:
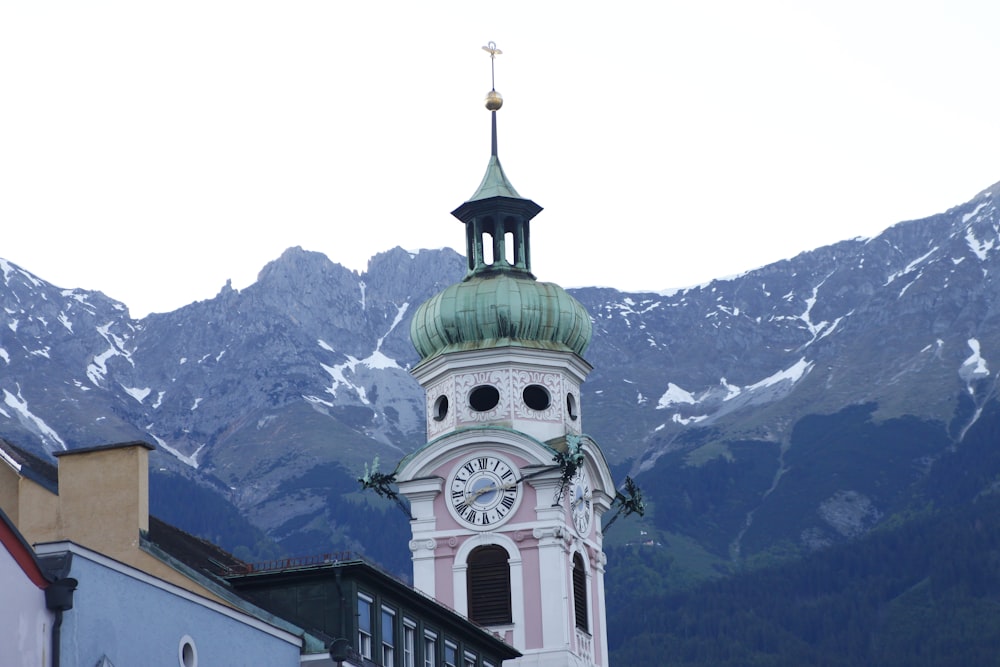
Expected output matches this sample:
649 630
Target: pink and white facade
539 533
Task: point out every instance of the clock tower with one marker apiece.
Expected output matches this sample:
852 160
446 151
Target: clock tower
507 495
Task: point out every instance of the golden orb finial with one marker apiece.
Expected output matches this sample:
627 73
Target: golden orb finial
493 99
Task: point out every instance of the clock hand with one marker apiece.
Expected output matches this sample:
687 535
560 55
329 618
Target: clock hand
489 489
574 503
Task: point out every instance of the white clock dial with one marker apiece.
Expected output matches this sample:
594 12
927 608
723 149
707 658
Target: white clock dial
483 491
581 503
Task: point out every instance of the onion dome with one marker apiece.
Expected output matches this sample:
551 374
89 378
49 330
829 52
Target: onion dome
499 303
502 309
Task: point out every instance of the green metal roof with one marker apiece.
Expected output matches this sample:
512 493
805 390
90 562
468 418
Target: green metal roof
500 309
495 183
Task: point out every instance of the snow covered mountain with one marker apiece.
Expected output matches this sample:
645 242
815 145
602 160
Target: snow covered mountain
275 396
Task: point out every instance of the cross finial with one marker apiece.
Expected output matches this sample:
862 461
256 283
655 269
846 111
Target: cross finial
491 48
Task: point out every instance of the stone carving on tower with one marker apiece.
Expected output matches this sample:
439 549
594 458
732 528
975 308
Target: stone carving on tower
507 495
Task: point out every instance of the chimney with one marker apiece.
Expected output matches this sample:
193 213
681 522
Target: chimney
104 496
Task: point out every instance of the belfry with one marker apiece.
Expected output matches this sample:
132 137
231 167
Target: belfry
507 495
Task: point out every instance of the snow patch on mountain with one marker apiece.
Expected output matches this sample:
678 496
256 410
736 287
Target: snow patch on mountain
340 379
379 361
191 460
47 434
136 393
974 367
674 395
970 216
9 268
685 421
98 369
912 266
793 374
979 247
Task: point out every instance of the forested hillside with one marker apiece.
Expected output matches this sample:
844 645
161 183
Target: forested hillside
923 588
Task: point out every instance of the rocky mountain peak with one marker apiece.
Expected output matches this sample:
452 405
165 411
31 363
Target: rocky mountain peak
275 391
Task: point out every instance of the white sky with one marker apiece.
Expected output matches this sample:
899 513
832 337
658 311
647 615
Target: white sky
154 150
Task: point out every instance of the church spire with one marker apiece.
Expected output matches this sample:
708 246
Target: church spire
496 217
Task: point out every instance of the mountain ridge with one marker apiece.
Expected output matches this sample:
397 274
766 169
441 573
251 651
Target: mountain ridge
307 369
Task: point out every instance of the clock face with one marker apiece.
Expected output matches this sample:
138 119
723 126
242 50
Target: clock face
483 491
581 503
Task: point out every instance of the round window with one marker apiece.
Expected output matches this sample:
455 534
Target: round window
571 406
536 397
484 398
440 408
187 653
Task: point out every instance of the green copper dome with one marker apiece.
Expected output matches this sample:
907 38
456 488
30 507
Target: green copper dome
497 310
499 303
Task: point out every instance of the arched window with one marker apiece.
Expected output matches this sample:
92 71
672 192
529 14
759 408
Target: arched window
489 585
580 593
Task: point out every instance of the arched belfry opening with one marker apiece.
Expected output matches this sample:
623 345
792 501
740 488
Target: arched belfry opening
488 577
498 243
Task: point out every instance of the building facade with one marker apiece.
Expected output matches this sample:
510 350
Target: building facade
122 616
378 619
25 620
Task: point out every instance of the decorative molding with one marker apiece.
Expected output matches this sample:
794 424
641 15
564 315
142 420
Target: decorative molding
466 382
429 544
552 382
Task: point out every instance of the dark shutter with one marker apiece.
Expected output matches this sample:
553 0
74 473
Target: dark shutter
580 593
489 586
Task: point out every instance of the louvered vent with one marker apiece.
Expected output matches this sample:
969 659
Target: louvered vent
489 586
580 593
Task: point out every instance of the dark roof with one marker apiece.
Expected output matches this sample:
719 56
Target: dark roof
198 554
37 470
98 448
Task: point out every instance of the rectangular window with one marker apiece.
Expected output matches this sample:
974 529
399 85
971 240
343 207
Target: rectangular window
430 649
365 625
470 659
450 654
388 637
409 643
487 663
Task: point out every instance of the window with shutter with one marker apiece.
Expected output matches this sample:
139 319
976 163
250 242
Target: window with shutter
580 593
489 585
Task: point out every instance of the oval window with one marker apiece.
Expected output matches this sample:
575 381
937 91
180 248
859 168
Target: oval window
571 406
440 408
536 397
187 654
484 398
